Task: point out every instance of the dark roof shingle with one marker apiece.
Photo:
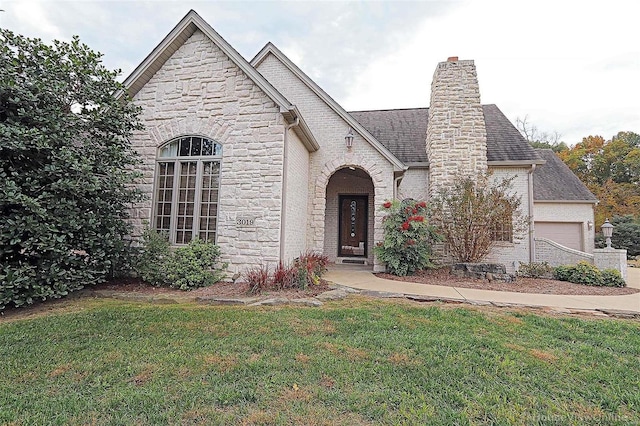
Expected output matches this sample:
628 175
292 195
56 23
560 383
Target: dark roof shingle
403 132
554 181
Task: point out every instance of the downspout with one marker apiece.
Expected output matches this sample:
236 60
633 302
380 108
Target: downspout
532 243
283 211
396 184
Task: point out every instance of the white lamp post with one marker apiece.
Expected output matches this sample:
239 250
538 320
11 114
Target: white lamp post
607 231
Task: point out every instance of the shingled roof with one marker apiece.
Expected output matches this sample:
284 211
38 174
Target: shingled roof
403 132
554 181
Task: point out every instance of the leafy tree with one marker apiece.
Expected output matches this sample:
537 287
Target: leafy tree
408 237
66 168
611 170
626 235
467 214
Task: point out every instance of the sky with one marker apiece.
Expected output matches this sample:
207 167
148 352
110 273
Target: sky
571 67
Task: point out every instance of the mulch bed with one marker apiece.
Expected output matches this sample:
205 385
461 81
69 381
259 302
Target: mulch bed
221 289
442 277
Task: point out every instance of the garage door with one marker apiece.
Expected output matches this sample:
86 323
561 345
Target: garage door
566 233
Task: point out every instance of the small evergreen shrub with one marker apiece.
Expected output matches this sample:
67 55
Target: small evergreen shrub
185 268
151 263
194 265
612 278
535 270
587 274
406 247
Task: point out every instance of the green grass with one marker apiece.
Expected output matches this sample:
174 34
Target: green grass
97 361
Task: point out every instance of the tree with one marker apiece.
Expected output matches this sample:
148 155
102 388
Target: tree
611 170
470 212
538 139
626 235
66 168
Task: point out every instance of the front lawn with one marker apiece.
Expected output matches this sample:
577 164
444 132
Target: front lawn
358 361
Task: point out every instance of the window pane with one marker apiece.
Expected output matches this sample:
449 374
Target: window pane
185 147
207 147
196 146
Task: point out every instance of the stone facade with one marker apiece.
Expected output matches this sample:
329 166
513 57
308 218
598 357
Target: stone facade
609 258
330 129
456 140
200 91
414 184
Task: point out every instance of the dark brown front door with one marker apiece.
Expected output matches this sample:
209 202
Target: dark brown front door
352 238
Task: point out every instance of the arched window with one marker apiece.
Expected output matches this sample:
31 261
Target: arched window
187 187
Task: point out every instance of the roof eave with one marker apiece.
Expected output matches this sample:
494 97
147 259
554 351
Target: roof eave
270 48
515 163
302 130
566 201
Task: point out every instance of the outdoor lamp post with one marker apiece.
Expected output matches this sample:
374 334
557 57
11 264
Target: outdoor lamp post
607 231
348 140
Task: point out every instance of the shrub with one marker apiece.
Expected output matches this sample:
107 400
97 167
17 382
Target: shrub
304 271
194 265
612 278
406 247
310 267
258 278
284 276
470 213
153 255
587 274
535 270
66 168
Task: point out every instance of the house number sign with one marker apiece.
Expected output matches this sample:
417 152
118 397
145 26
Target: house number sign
245 221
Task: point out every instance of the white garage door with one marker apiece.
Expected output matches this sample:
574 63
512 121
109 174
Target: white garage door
568 234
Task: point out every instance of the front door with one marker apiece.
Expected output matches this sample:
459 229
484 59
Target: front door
353 221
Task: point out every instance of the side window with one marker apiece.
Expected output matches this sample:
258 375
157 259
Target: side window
187 189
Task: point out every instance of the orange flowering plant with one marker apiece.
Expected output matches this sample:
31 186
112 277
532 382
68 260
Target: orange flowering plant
408 237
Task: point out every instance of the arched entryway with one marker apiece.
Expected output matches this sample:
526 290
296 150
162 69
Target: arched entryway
349 216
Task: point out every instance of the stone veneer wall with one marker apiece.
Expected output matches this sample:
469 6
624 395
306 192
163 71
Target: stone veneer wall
342 184
456 140
329 129
295 225
200 91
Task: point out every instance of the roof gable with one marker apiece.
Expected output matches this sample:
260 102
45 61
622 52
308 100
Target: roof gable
271 49
179 35
554 181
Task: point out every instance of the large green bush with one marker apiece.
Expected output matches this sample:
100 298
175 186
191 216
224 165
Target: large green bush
587 274
66 168
408 237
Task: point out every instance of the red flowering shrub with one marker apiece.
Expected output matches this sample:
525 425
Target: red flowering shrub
406 247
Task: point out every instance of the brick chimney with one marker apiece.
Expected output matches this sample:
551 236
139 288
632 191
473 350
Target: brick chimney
456 135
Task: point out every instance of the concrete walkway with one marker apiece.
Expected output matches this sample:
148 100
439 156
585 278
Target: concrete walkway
363 279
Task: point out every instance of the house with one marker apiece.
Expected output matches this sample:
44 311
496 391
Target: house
258 158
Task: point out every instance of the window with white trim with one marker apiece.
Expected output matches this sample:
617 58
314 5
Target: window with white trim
187 189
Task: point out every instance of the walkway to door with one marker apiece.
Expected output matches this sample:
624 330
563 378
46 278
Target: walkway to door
361 277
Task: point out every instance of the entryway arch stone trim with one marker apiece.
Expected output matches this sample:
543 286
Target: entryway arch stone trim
382 186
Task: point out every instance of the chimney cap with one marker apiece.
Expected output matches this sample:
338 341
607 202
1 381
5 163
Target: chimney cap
452 59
